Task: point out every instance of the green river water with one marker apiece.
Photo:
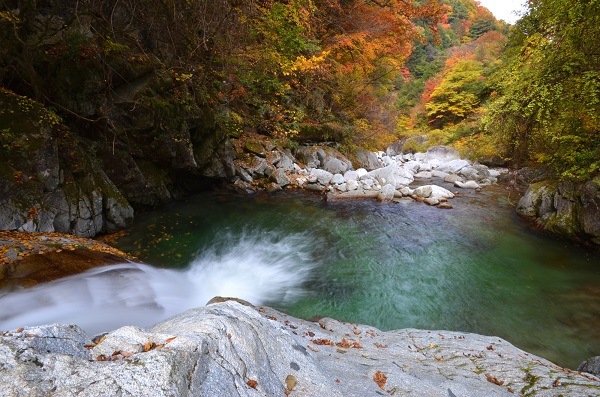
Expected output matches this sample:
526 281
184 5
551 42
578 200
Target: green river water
475 268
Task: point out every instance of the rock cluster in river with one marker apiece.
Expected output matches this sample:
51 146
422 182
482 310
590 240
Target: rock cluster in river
379 175
230 349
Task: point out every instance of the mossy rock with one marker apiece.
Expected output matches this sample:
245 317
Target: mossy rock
255 147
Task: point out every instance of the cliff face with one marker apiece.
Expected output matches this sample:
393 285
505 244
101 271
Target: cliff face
230 349
565 208
96 117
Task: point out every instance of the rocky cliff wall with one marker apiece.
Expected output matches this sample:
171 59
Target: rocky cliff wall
565 208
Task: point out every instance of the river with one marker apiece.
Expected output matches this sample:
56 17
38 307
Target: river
475 268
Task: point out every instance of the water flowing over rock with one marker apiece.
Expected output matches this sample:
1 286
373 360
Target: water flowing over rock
231 349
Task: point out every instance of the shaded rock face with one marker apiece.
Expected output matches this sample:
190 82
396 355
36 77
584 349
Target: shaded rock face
324 157
48 180
229 349
565 208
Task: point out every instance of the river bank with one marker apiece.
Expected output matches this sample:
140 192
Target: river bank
232 349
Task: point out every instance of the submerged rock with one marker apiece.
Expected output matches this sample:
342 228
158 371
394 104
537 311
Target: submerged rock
229 349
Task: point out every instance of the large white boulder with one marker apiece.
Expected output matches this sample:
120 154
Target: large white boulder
394 174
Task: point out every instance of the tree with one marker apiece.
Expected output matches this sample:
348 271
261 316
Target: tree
547 104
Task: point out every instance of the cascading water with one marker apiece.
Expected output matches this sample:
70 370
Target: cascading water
260 267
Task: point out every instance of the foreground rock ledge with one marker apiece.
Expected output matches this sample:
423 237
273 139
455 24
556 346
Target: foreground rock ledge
229 349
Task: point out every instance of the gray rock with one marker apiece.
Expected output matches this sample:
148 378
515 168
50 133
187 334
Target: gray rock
342 187
223 348
320 155
423 191
361 172
352 175
454 166
256 167
439 174
431 201
366 159
424 175
286 163
591 366
467 185
452 178
569 209
323 177
335 166
242 173
395 148
280 177
387 193
352 184
442 153
337 178
394 174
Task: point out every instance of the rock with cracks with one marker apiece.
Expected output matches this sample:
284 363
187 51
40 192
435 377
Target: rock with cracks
231 349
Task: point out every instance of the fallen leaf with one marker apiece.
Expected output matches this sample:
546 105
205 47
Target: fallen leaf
149 346
490 347
170 339
290 382
556 383
126 354
312 348
494 380
380 379
20 329
379 345
252 383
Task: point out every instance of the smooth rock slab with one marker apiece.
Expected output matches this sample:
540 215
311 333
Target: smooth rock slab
230 349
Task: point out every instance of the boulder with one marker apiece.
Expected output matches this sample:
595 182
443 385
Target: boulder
255 147
442 153
361 172
452 178
280 177
387 193
338 179
352 184
566 208
335 166
591 366
433 191
286 163
454 166
232 349
323 177
366 159
321 155
424 175
394 174
352 175
467 185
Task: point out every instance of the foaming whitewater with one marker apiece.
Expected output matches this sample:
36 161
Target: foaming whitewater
261 268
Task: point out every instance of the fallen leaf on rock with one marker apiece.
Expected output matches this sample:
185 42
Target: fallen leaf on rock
312 348
126 354
490 347
170 339
556 383
252 383
380 379
149 346
290 382
20 329
494 380
320 341
379 345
